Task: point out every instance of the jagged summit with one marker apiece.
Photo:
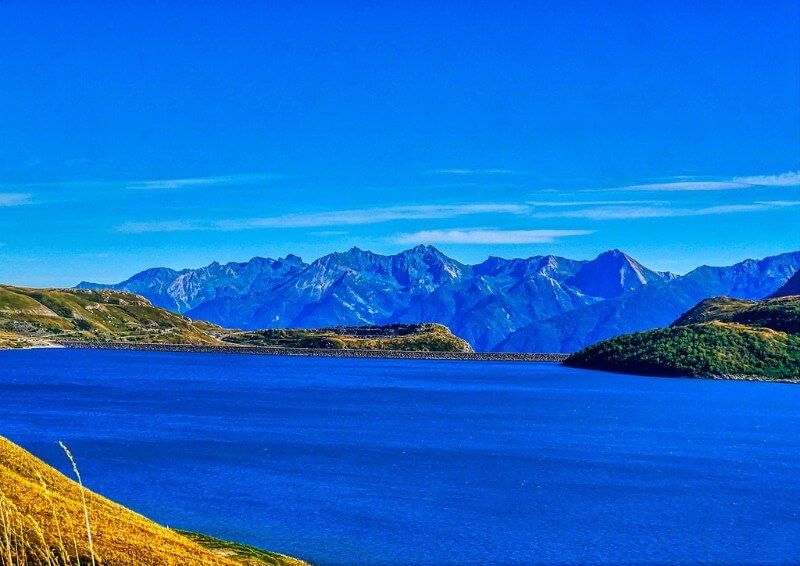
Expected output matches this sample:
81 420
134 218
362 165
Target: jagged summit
291 258
613 273
422 248
428 253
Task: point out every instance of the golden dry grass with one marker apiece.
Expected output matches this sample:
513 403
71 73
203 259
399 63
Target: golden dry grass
426 337
76 314
42 521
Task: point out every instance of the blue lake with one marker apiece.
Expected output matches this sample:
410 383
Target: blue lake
364 461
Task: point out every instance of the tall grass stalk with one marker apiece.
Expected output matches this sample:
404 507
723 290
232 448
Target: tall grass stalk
61 546
6 528
83 499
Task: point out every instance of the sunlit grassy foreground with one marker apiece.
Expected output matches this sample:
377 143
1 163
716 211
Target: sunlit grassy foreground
43 521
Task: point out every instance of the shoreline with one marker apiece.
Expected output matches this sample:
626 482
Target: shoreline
759 378
369 354
316 352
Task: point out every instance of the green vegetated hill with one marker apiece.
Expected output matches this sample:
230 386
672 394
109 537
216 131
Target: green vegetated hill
43 522
718 338
781 314
31 316
395 337
36 317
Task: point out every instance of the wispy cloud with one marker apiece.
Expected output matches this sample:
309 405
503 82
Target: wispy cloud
62 185
162 226
681 184
476 172
329 233
351 217
486 236
591 203
201 181
790 179
591 210
14 199
634 212
230 180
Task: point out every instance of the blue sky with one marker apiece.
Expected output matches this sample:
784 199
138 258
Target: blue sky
180 134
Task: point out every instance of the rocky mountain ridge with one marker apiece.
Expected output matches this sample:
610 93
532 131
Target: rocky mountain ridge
541 303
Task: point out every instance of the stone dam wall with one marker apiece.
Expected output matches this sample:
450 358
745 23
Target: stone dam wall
320 353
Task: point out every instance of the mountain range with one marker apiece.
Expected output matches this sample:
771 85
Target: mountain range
539 304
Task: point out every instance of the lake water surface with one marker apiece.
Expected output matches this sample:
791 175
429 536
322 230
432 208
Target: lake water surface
361 461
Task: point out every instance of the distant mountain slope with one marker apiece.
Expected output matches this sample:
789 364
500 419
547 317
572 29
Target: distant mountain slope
73 314
652 306
181 291
720 337
482 303
792 287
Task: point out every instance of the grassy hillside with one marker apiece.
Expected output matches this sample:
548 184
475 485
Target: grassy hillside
719 337
27 315
31 317
397 337
242 553
781 314
42 521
